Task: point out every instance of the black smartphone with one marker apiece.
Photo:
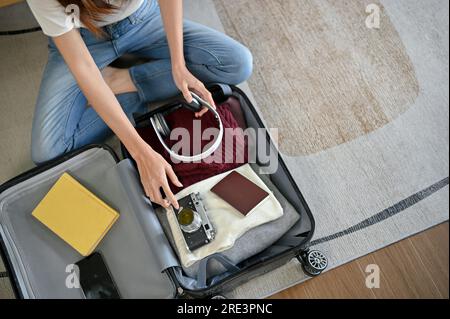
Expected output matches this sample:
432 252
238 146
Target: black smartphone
95 278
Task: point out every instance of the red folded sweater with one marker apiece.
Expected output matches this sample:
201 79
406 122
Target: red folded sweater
228 156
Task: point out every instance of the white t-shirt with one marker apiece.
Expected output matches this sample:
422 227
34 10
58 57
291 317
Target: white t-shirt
56 20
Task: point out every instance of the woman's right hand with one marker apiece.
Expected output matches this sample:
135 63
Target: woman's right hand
154 170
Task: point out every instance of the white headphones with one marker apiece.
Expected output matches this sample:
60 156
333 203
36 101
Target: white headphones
163 130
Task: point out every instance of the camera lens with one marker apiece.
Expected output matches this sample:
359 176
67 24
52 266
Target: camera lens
186 216
189 220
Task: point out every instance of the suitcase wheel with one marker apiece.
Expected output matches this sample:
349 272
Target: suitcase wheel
314 262
218 297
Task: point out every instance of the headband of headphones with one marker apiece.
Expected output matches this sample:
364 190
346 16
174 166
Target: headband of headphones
157 126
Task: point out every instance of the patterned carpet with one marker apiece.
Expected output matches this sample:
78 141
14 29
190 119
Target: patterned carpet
362 116
319 61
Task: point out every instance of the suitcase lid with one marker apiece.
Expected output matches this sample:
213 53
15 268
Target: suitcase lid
135 250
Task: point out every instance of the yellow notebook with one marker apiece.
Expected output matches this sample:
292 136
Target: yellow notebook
75 214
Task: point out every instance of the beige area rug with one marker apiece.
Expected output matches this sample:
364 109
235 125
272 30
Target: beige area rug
363 116
319 61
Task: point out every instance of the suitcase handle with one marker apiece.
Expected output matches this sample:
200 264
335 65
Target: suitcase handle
223 260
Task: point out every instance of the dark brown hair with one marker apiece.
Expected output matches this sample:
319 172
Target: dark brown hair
91 11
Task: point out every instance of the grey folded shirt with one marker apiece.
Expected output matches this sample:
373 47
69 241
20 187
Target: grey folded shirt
253 241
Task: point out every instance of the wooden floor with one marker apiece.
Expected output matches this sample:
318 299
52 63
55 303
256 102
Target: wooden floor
4 3
417 267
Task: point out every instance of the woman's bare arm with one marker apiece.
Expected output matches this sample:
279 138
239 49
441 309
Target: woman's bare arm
152 167
172 15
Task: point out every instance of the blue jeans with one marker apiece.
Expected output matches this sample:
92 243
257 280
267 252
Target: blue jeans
63 121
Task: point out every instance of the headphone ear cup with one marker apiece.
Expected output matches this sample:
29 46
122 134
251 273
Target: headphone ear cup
162 126
194 106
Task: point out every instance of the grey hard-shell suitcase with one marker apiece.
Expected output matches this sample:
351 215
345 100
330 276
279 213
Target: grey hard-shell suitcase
136 249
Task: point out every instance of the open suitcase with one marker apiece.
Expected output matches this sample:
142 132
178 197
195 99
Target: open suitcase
136 250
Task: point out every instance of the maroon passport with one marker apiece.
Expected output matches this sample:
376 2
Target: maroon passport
239 192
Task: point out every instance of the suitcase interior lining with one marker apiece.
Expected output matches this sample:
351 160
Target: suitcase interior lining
40 258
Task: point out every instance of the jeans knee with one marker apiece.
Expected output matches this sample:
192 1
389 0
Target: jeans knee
237 66
242 66
39 155
42 152
247 64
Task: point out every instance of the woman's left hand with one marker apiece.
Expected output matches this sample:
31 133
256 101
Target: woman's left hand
185 81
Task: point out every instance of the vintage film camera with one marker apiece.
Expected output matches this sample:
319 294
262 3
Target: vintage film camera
194 222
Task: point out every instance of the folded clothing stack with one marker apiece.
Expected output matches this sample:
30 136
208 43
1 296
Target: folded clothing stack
250 242
227 157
